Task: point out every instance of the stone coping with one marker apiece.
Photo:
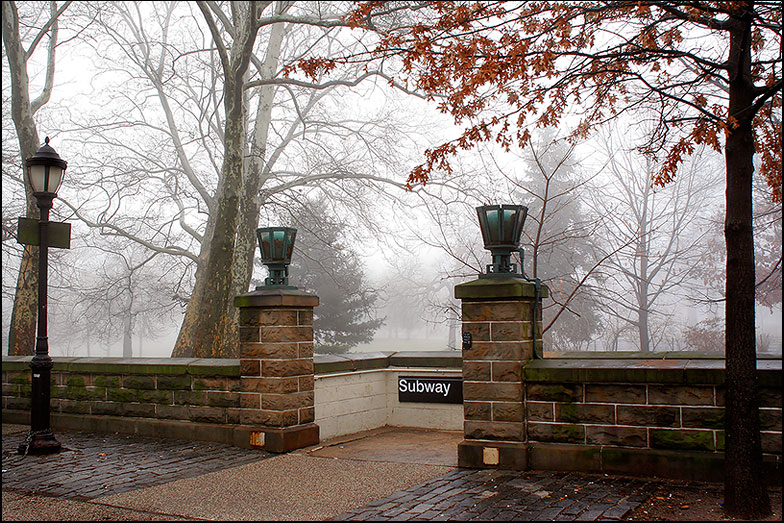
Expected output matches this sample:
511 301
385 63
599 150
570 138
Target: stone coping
593 367
640 370
167 366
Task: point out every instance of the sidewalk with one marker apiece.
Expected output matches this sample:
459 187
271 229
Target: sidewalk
398 474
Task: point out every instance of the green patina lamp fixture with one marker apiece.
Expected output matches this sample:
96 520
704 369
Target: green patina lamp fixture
276 245
502 227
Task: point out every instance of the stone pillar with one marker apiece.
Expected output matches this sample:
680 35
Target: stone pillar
276 367
498 314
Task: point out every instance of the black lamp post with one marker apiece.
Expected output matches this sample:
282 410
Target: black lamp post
276 245
501 226
44 171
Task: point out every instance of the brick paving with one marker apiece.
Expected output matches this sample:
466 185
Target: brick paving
95 465
497 495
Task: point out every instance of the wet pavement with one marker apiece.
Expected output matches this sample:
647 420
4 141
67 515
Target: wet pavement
387 474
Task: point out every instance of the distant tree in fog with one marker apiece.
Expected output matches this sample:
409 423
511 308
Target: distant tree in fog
324 263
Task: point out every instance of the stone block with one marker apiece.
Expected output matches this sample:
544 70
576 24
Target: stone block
492 391
305 349
563 392
207 414
305 317
507 371
684 439
680 395
479 331
556 432
122 395
503 411
250 334
72 407
477 410
496 311
165 397
172 412
605 393
585 413
508 351
270 385
138 382
186 397
77 380
770 397
702 417
306 382
17 403
616 436
493 430
275 334
280 351
223 399
307 415
539 411
174 382
770 419
138 410
476 370
250 400
648 416
564 457
250 367
294 400
508 331
285 368
771 442
106 381
106 408
216 384
269 418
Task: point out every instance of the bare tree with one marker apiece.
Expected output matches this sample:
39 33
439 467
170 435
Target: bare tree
21 337
662 231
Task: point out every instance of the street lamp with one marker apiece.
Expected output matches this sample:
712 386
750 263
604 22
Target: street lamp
276 245
44 171
501 226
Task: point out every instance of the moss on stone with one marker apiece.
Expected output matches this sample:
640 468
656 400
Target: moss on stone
682 439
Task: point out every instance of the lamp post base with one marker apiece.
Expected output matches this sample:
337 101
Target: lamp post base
39 443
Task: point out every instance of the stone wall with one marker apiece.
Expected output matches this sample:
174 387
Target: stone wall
205 399
630 414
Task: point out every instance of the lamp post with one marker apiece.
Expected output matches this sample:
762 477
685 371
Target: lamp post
44 171
276 245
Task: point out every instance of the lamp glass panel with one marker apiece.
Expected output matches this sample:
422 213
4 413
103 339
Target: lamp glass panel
290 246
278 245
493 224
54 179
37 176
266 247
510 221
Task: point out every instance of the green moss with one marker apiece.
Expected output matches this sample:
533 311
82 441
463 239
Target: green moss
174 382
122 395
155 396
682 439
139 382
107 381
74 380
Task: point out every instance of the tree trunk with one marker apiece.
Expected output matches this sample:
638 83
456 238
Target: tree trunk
22 333
204 334
745 493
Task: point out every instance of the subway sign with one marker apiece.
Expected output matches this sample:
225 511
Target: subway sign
420 389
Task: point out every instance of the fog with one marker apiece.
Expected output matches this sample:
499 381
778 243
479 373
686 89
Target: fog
145 153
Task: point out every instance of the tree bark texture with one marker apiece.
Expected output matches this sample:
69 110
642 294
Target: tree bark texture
206 312
745 493
22 333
